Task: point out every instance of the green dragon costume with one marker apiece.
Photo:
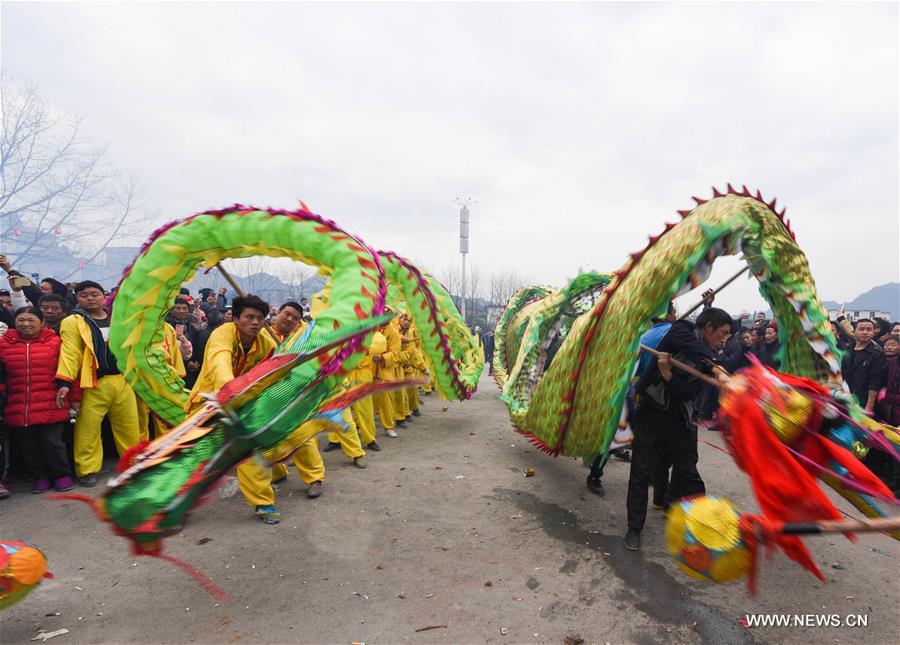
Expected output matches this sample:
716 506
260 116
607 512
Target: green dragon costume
283 401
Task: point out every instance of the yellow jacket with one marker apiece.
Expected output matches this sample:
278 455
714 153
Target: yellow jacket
365 371
275 336
76 353
225 359
172 350
387 371
411 354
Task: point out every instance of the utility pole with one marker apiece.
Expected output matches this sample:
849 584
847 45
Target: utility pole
464 244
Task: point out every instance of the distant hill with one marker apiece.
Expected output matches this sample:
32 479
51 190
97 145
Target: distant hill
265 285
885 297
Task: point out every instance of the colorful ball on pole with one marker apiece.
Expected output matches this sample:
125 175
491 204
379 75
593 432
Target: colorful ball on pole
22 567
703 535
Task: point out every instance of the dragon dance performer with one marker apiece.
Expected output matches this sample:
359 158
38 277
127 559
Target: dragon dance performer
84 355
412 361
363 374
663 418
385 370
172 349
308 460
234 349
660 482
401 404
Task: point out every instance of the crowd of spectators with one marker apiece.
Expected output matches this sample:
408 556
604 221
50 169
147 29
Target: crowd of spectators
61 390
60 384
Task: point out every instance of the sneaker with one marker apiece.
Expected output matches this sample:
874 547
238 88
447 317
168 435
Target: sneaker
633 540
408 419
401 423
391 433
416 413
595 486
268 514
314 490
64 483
373 446
359 462
40 486
88 481
622 455
331 446
4 491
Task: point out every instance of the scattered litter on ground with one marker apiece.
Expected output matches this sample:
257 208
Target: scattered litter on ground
44 636
425 629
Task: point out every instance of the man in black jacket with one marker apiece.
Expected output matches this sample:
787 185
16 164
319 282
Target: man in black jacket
663 419
864 367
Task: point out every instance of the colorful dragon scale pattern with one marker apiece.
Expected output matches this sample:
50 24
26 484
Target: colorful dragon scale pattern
531 333
284 400
174 253
575 407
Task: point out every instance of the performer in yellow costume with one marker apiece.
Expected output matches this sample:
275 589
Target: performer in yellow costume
308 459
386 370
411 356
234 349
85 354
364 409
170 346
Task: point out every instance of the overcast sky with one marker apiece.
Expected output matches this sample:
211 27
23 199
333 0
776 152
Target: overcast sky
579 128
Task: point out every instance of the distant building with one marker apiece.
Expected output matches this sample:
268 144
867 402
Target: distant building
855 314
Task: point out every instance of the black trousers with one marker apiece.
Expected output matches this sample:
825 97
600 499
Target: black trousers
43 450
655 435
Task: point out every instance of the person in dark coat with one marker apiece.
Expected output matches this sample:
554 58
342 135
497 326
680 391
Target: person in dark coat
663 419
768 351
864 366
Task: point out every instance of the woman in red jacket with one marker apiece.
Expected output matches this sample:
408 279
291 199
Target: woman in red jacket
34 413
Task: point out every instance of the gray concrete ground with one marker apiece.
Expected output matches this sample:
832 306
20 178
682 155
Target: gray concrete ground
442 531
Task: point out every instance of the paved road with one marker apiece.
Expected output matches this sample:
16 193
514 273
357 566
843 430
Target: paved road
441 530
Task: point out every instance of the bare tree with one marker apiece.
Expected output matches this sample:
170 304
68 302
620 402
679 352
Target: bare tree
253 271
297 278
503 285
56 189
473 290
450 278
120 223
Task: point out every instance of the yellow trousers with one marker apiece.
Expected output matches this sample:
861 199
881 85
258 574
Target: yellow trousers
412 398
111 397
146 419
384 402
364 416
401 406
308 462
255 482
349 439
254 479
363 411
